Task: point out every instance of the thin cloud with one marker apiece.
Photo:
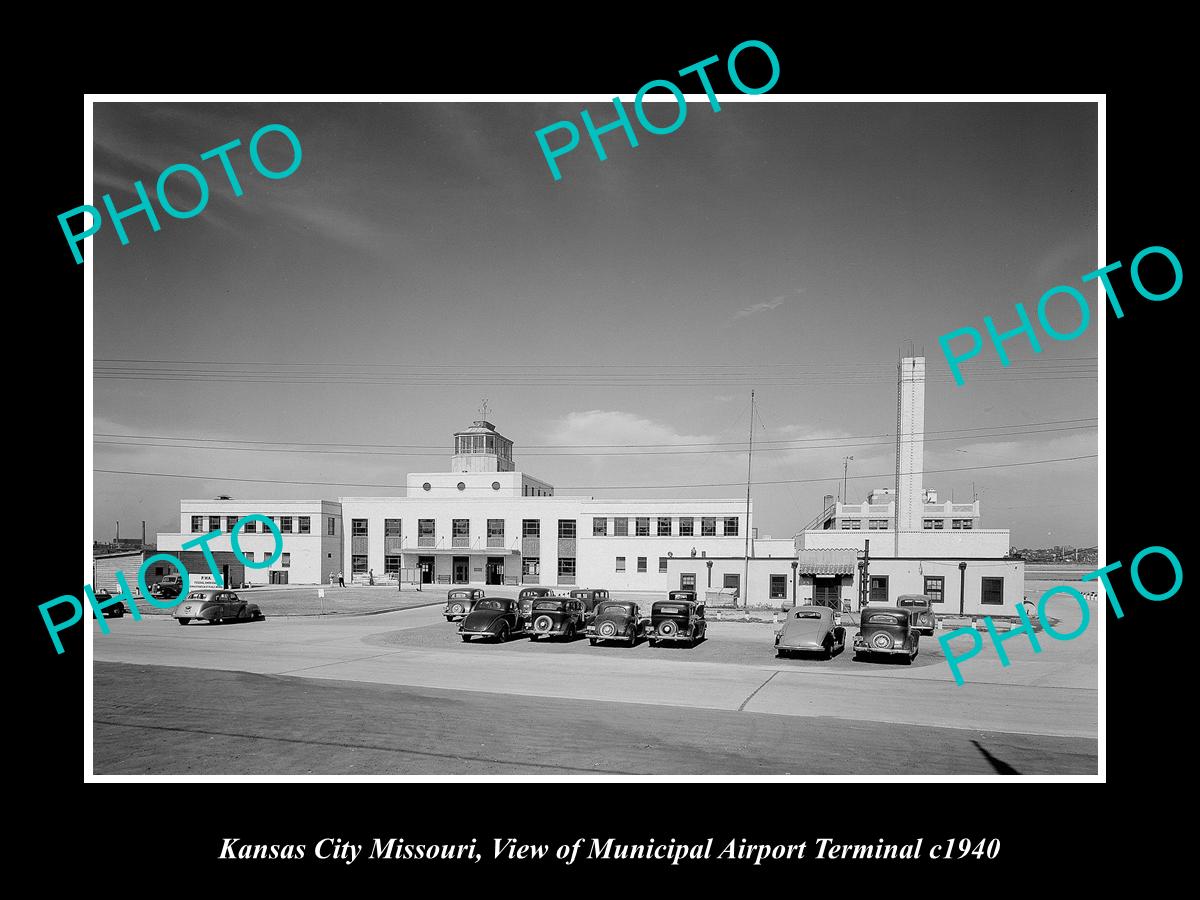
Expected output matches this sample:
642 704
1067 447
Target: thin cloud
765 306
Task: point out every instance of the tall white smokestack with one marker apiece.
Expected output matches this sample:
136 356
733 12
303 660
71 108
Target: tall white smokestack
910 444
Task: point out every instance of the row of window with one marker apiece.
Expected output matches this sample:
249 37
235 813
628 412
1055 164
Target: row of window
287 524
928 524
641 564
566 527
956 524
991 590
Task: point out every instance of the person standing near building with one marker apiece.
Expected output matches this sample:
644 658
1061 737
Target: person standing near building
341 580
371 577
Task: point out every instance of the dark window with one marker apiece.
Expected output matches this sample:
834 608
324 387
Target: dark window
641 564
531 565
358 527
877 524
391 565
621 527
731 526
993 591
425 528
599 526
285 524
495 528
358 564
687 527
960 524
643 527
662 564
879 588
620 564
305 523
229 520
708 526
197 524
531 528
935 588
566 566
778 587
664 526
732 581
391 527
214 523
461 528
566 529
287 559
332 529
687 581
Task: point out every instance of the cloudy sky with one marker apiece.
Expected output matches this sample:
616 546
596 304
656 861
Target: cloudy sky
327 332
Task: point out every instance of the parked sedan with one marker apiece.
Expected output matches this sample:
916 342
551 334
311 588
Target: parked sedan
170 586
813 629
681 618
216 605
116 611
615 620
528 595
498 618
920 608
591 597
555 617
459 602
886 630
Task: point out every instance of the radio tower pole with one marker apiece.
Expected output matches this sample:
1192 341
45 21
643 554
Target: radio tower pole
746 558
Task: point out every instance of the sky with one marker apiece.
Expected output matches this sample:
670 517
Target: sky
329 331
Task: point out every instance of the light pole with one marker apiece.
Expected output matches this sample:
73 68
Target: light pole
845 471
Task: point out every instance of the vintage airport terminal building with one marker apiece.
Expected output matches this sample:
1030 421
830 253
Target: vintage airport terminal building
485 522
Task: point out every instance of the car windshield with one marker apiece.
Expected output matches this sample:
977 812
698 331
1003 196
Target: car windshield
549 605
883 620
491 604
459 595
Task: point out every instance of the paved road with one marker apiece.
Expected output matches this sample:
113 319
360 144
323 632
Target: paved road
1045 697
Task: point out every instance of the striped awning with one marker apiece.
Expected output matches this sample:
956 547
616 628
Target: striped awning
827 562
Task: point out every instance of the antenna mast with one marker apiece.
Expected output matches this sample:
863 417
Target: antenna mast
749 464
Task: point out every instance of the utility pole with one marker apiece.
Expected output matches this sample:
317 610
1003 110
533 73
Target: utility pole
845 471
749 462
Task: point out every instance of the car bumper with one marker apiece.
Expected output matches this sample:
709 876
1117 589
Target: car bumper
801 648
655 636
597 636
867 648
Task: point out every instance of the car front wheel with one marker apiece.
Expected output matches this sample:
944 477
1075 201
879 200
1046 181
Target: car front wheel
502 634
183 621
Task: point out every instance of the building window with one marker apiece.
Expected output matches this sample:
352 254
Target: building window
851 524
425 528
599 526
643 526
461 528
621 527
358 527
879 589
992 593
566 566
778 587
286 559
391 527
662 564
732 581
935 588
285 524
531 565
933 524
229 522
620 564
495 532
214 523
641 564
197 524
250 555
687 527
358 565
566 529
305 523
251 526
708 526
391 565
531 528
731 526
960 524
877 524
332 527
664 526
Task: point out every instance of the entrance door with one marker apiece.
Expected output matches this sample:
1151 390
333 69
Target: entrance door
425 564
879 589
828 592
462 569
495 570
687 581
279 577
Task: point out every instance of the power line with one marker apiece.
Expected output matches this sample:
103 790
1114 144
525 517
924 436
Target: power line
490 367
621 487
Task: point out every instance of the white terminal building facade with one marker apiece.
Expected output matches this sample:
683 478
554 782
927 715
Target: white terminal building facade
484 522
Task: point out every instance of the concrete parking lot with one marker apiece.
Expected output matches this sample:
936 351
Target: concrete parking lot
399 693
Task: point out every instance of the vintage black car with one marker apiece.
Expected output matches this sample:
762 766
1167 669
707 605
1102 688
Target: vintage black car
920 608
216 605
615 620
812 629
528 595
555 617
459 602
116 611
591 597
169 587
680 618
493 617
886 630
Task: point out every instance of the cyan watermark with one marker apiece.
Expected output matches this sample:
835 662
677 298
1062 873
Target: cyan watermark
183 170
1061 292
623 123
185 580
